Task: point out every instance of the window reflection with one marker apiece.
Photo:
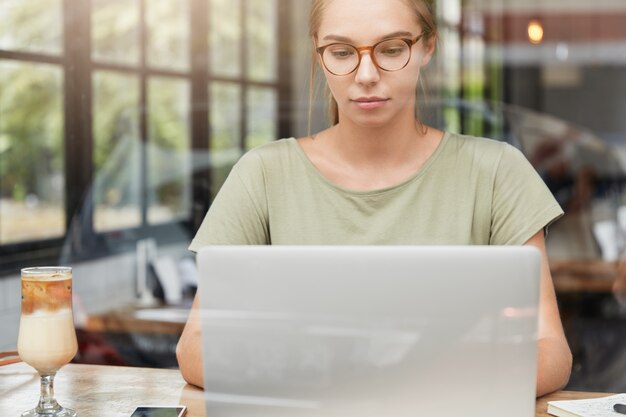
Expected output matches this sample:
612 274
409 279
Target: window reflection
225 115
558 98
117 151
262 39
31 26
32 180
225 37
115 31
169 188
168 34
262 114
130 106
225 122
561 101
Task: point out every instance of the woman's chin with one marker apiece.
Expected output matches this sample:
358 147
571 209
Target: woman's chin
375 121
370 120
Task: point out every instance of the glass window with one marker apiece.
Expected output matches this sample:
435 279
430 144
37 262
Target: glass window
116 151
127 102
262 39
225 122
168 34
225 37
169 186
225 115
32 180
115 31
262 115
31 25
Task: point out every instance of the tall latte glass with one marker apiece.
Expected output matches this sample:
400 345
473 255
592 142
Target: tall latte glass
47 339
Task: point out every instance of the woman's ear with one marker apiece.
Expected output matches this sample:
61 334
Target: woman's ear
429 49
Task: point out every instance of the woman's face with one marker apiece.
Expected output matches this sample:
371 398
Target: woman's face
370 96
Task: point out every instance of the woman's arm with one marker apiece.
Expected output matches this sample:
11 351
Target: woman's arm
189 348
554 359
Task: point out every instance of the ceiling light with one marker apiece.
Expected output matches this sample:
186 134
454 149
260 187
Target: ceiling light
535 32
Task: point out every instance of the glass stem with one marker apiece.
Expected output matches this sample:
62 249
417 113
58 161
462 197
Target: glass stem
47 402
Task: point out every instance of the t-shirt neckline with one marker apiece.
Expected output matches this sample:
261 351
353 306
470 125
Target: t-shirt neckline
309 166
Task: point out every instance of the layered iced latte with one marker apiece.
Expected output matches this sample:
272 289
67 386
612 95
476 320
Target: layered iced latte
47 339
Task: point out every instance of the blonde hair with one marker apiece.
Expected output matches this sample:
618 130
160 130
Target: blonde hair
424 11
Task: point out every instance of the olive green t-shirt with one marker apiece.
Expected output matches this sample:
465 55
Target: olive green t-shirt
471 191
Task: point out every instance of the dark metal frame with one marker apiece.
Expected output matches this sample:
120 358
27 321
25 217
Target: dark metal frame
78 68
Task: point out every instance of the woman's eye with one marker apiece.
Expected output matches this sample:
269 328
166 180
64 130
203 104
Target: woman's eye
392 51
341 53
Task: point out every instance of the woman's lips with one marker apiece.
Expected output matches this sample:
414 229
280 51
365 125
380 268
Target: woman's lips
369 103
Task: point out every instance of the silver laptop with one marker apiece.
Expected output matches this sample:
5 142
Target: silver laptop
369 330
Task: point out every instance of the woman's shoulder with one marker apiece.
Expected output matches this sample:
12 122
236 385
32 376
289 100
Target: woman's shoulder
487 155
269 156
271 149
480 148
261 165
469 142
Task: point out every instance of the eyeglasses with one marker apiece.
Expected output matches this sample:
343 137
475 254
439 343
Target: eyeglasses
388 55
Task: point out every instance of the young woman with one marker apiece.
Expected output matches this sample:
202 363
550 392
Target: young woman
378 175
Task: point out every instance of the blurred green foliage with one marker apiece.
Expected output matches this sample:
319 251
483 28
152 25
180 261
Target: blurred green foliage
169 143
31 25
115 31
31 127
32 100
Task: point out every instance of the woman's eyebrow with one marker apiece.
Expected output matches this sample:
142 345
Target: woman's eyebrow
340 38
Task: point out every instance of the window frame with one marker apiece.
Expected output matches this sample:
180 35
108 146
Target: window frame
78 68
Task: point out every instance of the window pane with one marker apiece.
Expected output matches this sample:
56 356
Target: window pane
262 116
31 25
225 131
32 180
262 39
225 115
168 34
169 169
116 153
115 31
225 37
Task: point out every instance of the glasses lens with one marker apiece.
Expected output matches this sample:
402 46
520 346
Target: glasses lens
392 55
341 59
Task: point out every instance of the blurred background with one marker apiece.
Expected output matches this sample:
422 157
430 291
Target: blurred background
120 120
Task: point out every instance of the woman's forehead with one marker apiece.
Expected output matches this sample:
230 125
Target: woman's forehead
362 20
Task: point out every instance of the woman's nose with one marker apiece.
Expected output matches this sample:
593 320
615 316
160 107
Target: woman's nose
367 72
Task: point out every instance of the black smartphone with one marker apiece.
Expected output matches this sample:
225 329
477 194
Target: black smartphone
156 411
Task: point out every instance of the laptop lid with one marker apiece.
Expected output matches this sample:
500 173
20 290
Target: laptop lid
369 331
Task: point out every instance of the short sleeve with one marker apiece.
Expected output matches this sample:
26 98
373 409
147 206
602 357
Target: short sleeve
238 215
522 204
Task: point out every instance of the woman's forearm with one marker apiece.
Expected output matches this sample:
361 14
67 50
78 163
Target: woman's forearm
189 349
554 365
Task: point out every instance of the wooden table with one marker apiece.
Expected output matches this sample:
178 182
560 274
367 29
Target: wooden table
131 320
115 391
98 391
588 276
